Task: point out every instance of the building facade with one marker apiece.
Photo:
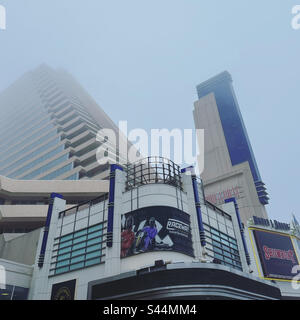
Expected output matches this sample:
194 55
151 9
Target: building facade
25 202
48 129
22 218
155 237
230 168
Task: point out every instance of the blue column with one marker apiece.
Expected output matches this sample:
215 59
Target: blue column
241 228
197 204
111 201
46 228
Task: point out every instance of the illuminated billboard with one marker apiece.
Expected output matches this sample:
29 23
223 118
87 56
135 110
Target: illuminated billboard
157 228
277 254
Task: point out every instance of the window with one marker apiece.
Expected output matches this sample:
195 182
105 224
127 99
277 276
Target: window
58 172
31 155
37 161
79 249
224 248
29 147
47 167
13 293
74 176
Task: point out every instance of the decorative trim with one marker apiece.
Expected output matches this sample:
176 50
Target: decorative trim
46 228
241 228
111 200
197 205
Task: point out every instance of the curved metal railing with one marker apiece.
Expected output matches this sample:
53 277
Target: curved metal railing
153 169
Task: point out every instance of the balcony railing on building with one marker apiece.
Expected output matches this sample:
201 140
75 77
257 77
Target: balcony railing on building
153 170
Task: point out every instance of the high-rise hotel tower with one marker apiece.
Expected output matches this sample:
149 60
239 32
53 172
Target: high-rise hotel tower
230 168
48 127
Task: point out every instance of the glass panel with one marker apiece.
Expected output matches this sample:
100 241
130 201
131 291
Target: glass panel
215 237
60 270
225 242
65 238
61 251
58 172
93 248
64 256
214 231
217 244
78 252
95 228
65 244
36 162
77 266
224 236
80 233
20 293
218 256
217 250
80 239
91 262
62 263
95 234
93 254
233 246
93 241
77 259
227 254
78 247
228 260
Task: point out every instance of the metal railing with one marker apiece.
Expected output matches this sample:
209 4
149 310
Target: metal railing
82 206
153 170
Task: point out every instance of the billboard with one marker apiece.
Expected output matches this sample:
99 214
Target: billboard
64 290
277 254
157 228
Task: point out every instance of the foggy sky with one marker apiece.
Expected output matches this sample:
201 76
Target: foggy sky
141 61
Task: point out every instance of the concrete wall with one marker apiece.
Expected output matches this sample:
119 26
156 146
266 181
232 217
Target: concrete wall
17 274
21 249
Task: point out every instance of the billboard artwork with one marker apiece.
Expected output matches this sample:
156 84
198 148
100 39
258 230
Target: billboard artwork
277 254
156 228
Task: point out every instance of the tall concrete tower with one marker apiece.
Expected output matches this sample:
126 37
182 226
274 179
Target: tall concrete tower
230 167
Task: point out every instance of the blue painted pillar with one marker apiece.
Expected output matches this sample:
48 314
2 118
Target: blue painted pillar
197 204
46 229
241 228
111 201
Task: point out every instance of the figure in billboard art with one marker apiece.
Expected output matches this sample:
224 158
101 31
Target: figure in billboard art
146 237
127 238
142 236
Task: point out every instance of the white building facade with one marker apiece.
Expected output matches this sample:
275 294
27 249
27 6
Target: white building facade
153 227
